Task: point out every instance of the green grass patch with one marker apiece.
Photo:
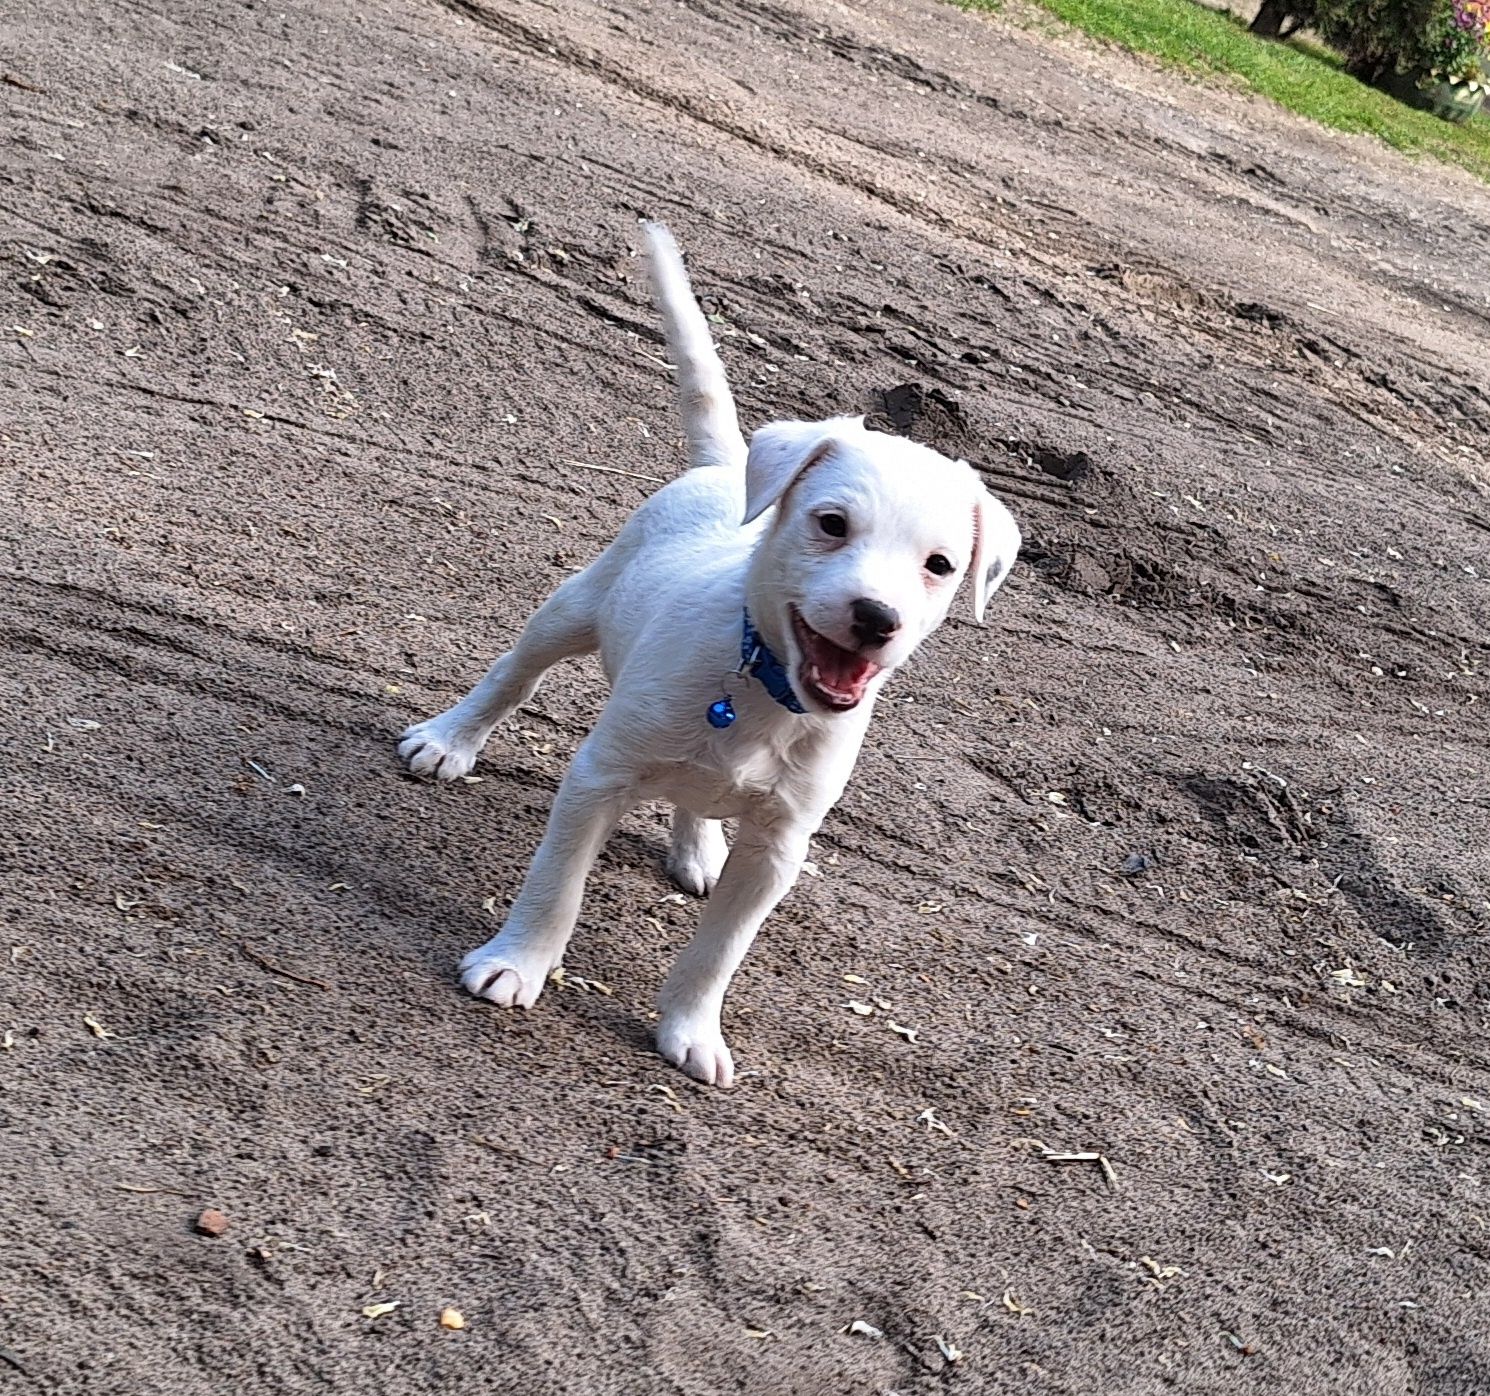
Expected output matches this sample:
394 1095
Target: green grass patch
1303 77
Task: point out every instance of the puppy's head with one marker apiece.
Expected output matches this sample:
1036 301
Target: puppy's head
871 539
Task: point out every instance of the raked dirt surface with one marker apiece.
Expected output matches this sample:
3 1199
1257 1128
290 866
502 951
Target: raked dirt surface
312 318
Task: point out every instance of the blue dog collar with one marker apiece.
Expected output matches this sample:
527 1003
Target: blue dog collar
757 661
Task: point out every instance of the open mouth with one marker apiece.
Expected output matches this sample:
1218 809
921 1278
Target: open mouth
831 675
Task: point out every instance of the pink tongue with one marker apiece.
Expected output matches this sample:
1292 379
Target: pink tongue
842 670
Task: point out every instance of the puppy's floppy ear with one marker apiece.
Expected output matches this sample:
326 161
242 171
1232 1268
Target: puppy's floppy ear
779 453
995 546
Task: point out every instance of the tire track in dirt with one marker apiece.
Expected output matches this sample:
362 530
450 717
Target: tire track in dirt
536 43
1380 406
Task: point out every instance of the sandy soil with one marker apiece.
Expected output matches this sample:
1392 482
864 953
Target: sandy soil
309 311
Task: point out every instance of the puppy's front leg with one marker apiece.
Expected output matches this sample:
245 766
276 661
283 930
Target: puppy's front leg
514 965
760 870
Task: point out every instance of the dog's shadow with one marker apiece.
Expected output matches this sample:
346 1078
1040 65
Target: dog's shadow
422 873
625 894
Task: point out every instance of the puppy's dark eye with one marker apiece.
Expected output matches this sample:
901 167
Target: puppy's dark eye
834 525
938 565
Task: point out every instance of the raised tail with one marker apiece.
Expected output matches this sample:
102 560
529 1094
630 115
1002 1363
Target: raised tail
709 415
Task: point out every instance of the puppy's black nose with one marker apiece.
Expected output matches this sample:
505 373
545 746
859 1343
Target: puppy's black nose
874 622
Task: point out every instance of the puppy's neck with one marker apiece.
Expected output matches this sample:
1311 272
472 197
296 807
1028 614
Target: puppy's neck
767 607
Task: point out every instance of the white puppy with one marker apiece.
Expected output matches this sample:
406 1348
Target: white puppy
746 617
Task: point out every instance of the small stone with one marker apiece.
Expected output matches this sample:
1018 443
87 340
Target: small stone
212 1222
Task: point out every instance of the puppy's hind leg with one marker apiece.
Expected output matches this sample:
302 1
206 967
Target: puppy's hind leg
446 746
697 853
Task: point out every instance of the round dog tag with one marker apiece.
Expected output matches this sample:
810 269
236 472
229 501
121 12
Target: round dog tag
722 713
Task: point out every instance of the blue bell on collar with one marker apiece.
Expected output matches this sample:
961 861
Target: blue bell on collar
756 662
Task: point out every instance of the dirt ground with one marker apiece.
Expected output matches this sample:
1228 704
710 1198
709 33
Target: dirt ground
313 315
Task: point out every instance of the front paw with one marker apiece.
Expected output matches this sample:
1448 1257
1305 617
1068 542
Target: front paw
696 1045
441 747
506 972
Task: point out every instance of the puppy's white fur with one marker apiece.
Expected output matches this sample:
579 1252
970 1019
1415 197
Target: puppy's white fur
664 607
